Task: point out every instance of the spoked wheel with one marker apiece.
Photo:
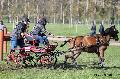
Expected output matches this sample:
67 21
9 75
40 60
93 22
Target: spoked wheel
47 60
9 60
19 60
12 60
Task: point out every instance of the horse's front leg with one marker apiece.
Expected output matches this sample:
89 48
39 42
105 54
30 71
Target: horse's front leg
100 63
101 56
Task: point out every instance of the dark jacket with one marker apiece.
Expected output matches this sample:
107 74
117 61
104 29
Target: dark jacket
38 29
101 29
93 28
20 28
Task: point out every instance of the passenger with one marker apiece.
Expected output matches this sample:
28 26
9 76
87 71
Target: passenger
101 29
93 29
18 33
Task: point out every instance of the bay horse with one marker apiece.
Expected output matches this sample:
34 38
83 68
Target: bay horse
91 44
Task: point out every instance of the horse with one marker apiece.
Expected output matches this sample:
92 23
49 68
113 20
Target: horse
91 44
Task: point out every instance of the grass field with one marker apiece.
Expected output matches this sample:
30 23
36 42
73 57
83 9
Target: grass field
85 70
66 29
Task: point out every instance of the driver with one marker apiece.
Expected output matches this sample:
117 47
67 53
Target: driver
39 31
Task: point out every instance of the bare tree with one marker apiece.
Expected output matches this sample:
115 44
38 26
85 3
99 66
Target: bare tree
65 11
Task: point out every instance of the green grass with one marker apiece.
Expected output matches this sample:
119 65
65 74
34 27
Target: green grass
65 29
86 69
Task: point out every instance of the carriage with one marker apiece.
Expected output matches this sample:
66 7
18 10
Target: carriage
33 54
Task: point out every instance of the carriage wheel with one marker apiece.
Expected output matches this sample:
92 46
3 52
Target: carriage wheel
47 60
19 60
9 60
12 60
22 60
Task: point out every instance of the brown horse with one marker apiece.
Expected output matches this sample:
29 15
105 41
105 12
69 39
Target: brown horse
91 44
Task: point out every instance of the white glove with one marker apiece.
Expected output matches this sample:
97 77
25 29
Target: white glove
51 35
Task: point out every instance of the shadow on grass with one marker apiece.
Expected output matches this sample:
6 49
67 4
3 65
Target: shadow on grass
5 67
105 67
96 66
68 66
82 67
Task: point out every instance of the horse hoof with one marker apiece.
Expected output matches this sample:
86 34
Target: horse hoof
74 64
64 64
101 65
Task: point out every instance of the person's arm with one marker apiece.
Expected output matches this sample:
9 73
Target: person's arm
23 29
46 31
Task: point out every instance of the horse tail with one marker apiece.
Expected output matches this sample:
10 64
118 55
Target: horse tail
65 42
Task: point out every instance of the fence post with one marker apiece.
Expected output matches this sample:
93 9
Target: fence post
5 42
1 44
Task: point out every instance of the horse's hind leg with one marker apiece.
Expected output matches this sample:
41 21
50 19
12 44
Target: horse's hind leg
69 55
76 54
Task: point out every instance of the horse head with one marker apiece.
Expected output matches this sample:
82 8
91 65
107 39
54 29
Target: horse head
113 32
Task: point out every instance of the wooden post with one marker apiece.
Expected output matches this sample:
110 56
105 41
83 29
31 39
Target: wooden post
1 44
5 42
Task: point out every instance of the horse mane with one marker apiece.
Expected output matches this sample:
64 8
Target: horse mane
109 30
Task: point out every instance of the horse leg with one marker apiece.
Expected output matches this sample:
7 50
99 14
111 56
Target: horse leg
98 53
101 60
101 56
69 55
76 54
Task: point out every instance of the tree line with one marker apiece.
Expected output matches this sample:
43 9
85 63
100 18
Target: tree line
61 11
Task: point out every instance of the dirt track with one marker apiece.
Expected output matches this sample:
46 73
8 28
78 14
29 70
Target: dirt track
63 38
115 43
